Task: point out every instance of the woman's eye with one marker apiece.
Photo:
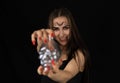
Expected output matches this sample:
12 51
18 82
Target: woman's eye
66 28
55 29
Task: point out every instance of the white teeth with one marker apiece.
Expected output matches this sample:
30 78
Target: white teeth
62 39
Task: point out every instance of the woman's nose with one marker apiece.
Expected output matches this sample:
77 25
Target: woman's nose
61 34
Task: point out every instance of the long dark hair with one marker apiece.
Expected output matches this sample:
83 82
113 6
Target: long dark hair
75 42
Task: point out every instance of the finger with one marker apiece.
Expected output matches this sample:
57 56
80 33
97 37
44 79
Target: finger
54 66
46 71
39 35
60 62
50 32
40 70
45 36
33 37
39 39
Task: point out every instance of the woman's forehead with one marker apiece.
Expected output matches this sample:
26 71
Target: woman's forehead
59 21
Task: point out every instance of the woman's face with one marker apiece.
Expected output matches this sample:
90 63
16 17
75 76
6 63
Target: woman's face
61 30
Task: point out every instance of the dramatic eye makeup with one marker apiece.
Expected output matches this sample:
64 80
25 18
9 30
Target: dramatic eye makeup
64 27
55 28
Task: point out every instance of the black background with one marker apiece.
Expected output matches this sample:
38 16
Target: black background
19 18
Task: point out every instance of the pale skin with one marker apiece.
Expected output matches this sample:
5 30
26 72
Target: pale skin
61 32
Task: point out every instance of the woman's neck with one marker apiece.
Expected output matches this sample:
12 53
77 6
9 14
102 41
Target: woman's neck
63 54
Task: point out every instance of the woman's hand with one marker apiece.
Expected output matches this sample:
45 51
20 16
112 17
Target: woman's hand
51 73
41 36
56 74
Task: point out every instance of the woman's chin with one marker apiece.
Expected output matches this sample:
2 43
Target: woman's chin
63 43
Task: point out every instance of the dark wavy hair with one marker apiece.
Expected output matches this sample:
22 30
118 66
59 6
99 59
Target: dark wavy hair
75 42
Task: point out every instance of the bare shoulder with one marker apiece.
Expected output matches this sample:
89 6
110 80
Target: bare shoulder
76 64
80 59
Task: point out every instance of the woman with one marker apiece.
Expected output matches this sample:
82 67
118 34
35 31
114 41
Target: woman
73 64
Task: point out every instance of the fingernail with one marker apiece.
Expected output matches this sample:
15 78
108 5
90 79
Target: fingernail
45 40
52 61
33 42
52 34
39 38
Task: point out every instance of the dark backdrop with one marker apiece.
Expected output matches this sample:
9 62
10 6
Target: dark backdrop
19 18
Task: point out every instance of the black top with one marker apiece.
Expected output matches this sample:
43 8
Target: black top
76 79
